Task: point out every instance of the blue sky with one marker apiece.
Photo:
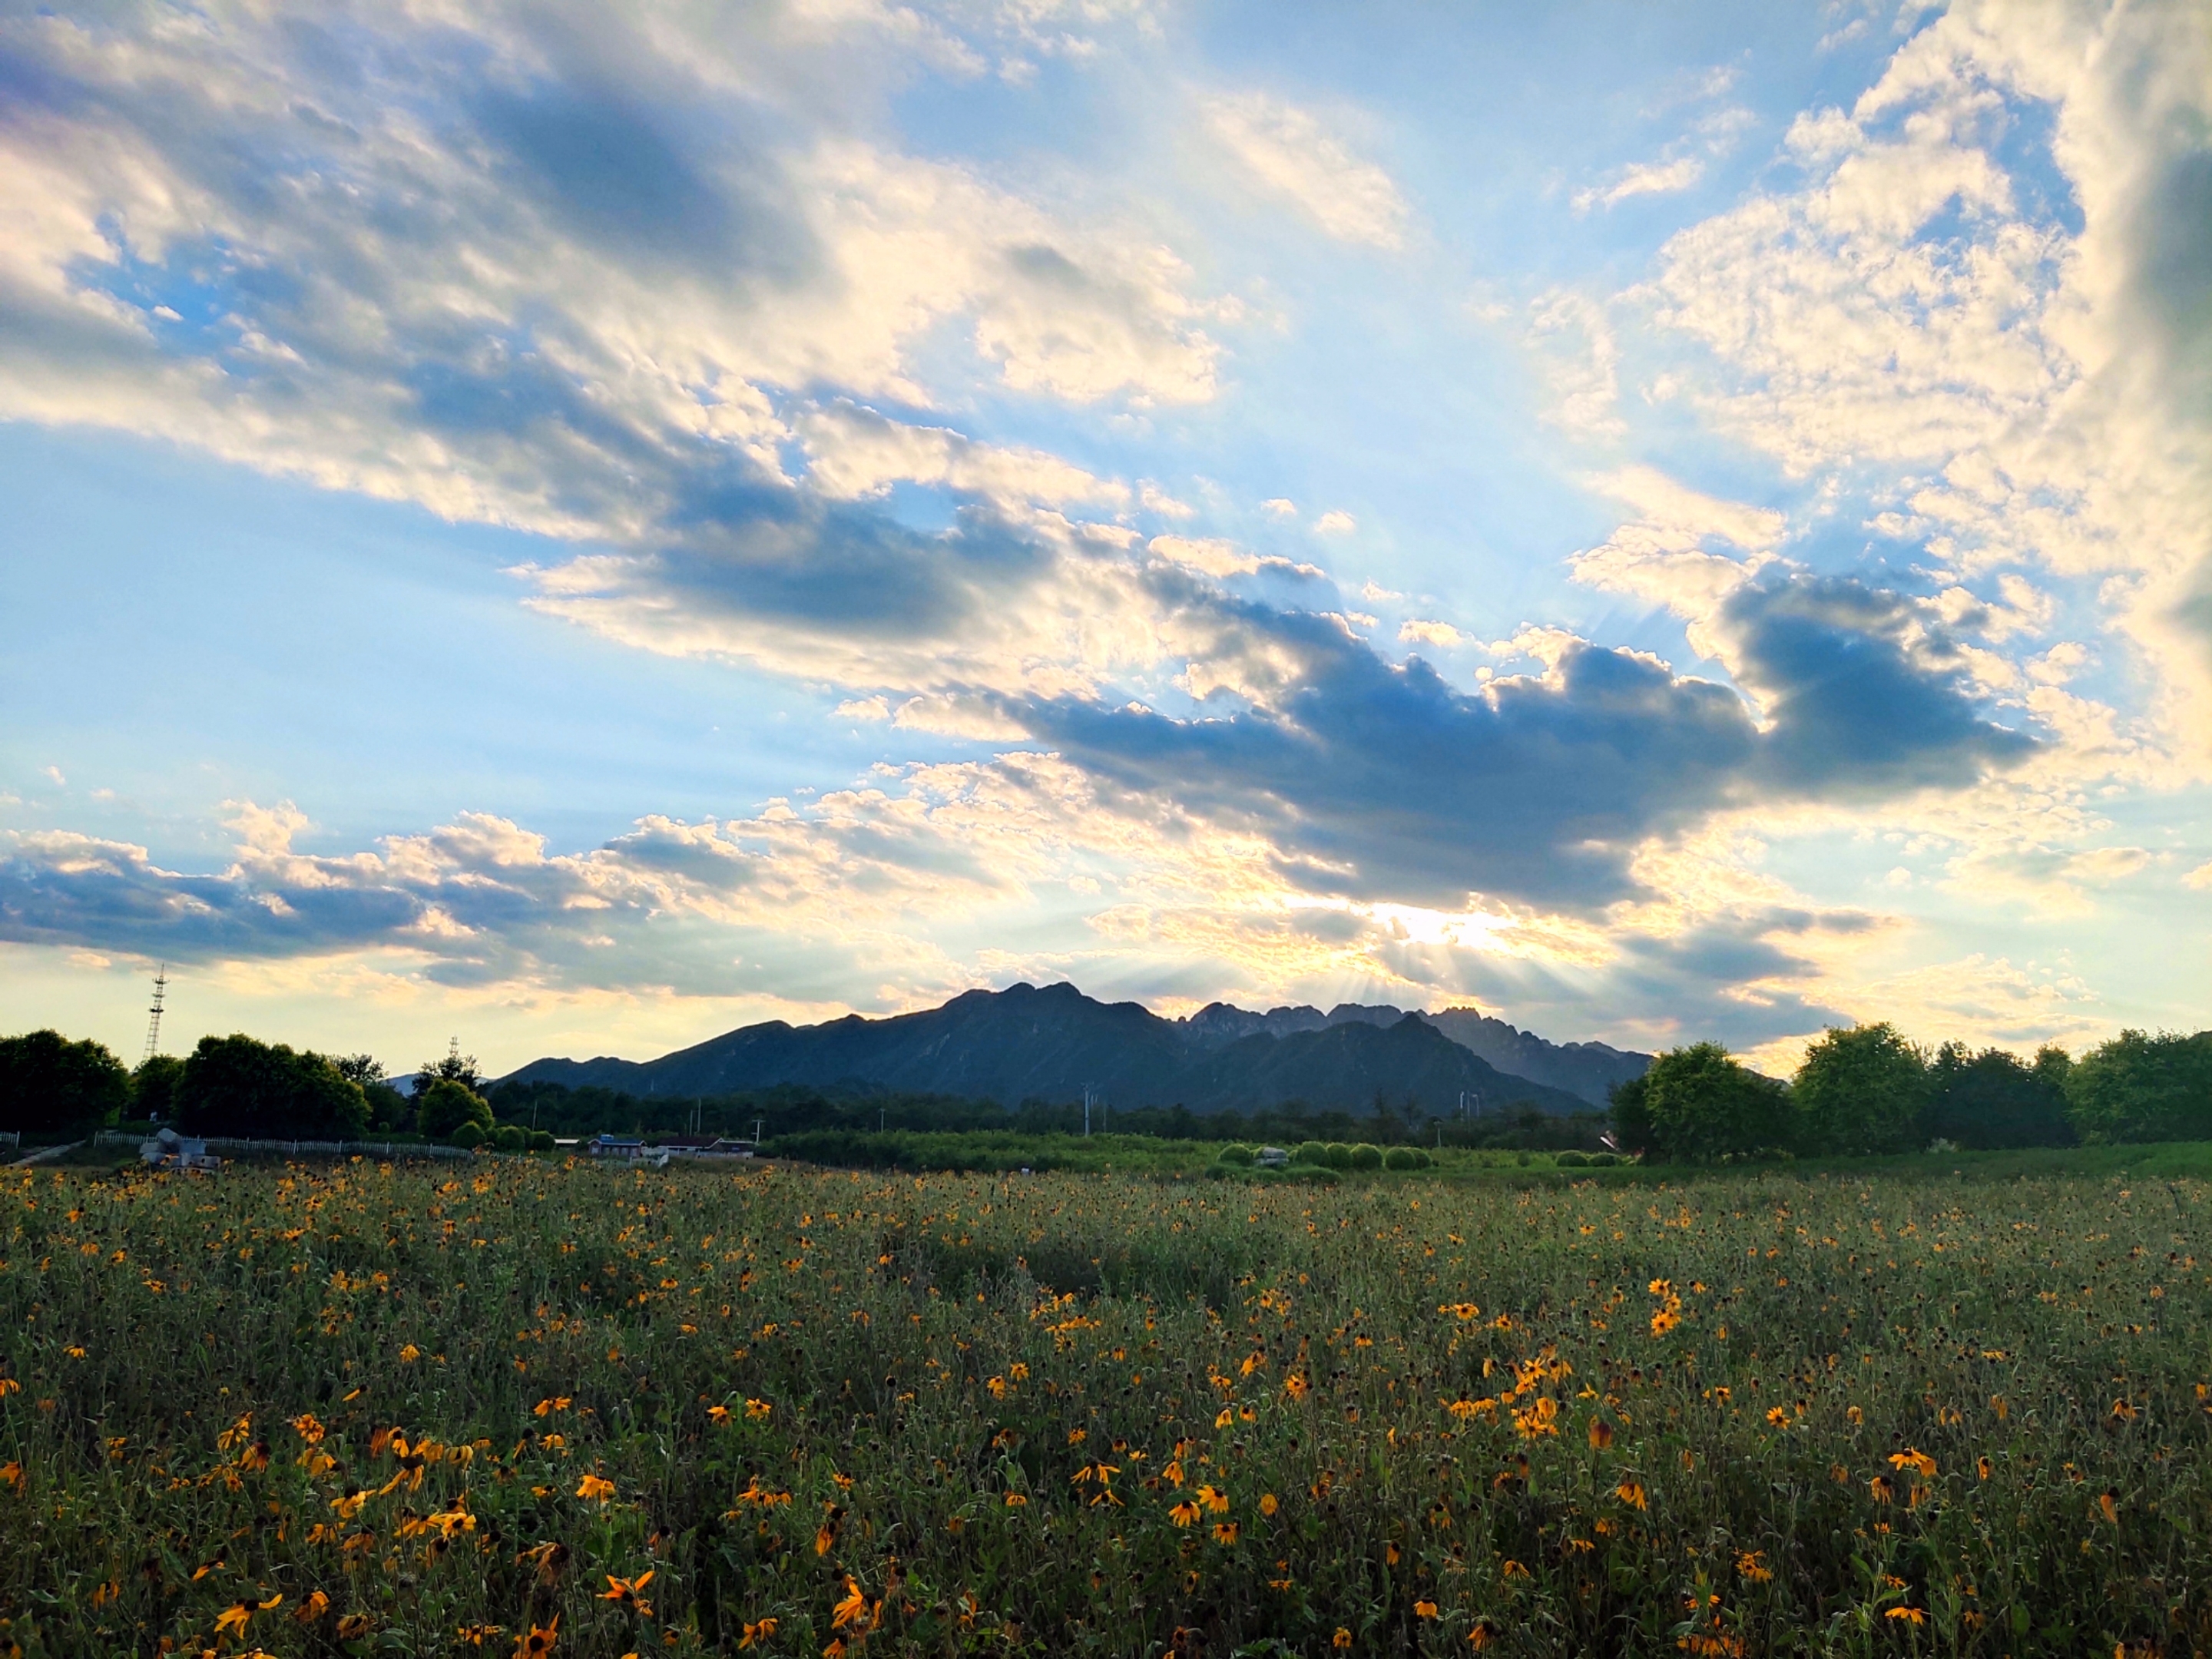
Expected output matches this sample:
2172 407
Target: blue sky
581 530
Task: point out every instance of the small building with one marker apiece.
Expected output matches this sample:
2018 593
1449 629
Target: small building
168 1150
604 1145
705 1146
1271 1158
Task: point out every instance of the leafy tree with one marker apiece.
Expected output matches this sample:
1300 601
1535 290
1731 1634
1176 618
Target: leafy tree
1704 1104
236 1085
2143 1088
153 1086
50 1084
1631 1113
1996 1099
455 1067
1862 1090
447 1103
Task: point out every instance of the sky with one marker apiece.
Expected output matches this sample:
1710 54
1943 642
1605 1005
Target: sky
574 528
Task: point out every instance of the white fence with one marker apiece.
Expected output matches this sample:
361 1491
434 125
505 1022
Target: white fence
234 1145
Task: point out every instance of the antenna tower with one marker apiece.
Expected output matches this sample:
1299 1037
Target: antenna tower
153 1021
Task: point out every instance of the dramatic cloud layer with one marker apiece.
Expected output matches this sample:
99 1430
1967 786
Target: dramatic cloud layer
999 436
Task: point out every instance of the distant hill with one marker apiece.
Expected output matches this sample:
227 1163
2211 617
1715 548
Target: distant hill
1053 1043
1587 1069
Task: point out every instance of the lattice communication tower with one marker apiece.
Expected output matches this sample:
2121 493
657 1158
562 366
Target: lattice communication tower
153 1023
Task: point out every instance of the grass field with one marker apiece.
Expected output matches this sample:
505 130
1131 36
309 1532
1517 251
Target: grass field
528 1408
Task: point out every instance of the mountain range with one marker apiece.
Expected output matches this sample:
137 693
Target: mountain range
1053 1043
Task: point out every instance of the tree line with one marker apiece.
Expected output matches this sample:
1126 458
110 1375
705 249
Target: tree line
1869 1090
240 1086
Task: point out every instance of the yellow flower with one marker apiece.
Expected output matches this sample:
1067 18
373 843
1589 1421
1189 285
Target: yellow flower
852 1609
1425 1610
1015 1500
1919 1461
1752 1565
535 1642
410 1354
1630 1492
595 1487
1216 1501
1296 1386
1911 1615
1342 1640
718 1415
1224 1532
623 1593
312 1608
1601 1434
757 1633
2108 1502
1268 1504
1185 1514
758 1408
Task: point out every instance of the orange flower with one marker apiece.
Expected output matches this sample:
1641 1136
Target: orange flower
312 1608
534 1642
1482 1636
1752 1565
1296 1386
623 1593
1601 1434
852 1609
593 1487
1981 1467
1630 1492
758 1408
2108 1502
718 1415
1268 1504
759 1632
1015 1500
1919 1461
1216 1501
1342 1640
1911 1615
1185 1514
233 1618
354 1625
1224 1532
1425 1610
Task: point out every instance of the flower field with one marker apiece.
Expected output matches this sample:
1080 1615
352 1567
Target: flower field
524 1408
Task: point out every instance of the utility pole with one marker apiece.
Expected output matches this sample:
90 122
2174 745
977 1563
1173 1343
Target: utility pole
153 1023
1086 1112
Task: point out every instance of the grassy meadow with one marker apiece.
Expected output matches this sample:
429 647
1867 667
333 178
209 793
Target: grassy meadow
524 1407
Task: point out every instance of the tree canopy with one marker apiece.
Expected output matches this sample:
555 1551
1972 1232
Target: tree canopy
1701 1104
2138 1087
1860 1090
237 1085
49 1085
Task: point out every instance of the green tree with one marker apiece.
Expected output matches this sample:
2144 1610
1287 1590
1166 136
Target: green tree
455 1067
238 1086
1862 1090
2143 1088
1704 1104
447 1104
1994 1099
1631 1113
49 1085
153 1087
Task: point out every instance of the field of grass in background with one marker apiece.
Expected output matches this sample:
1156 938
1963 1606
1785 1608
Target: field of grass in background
526 1407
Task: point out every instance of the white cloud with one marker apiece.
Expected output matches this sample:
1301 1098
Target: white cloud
1335 522
1289 150
1644 179
1282 507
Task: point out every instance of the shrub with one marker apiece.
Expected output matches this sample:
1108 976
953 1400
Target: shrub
1336 1155
1403 1157
1572 1160
510 1138
1313 1152
471 1133
541 1140
1365 1156
1235 1153
48 1083
236 1085
446 1105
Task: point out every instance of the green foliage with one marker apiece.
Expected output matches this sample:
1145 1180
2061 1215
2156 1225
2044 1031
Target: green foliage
1336 1155
541 1140
453 1066
236 1085
1235 1152
1365 1156
1002 1152
1703 1105
469 1133
2143 1088
1860 1090
153 1087
835 1399
1314 1152
1406 1157
443 1107
511 1138
49 1085
1994 1099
